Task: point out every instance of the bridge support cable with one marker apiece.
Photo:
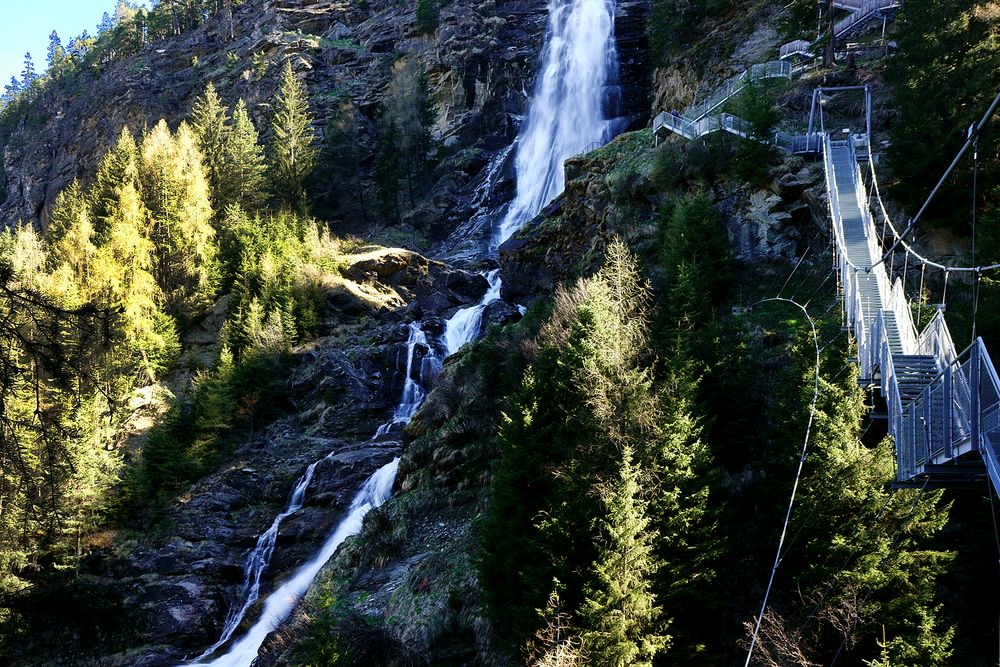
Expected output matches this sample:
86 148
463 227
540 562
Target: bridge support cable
798 474
973 134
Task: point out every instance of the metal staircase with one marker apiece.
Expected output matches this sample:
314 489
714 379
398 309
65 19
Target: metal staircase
862 11
943 406
695 121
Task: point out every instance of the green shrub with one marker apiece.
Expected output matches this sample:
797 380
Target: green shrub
427 16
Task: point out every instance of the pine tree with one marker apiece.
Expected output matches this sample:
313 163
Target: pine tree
427 16
337 178
56 53
210 124
409 107
619 613
243 171
29 78
388 171
293 153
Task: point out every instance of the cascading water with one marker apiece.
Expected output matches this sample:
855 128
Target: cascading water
280 603
568 111
413 388
465 324
574 106
258 559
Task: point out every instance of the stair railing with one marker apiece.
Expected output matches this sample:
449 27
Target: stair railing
865 11
733 85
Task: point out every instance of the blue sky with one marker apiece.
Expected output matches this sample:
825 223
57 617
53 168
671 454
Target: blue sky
25 25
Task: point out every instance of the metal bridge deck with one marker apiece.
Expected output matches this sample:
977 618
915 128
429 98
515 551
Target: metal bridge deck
943 407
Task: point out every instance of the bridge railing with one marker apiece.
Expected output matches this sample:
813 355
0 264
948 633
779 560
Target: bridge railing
864 11
769 70
853 306
958 411
795 47
958 408
935 340
682 125
879 355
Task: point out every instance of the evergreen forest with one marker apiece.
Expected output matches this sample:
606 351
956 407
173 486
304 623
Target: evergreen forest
460 323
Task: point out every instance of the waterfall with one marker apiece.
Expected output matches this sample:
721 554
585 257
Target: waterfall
577 84
573 108
258 559
465 324
413 388
280 603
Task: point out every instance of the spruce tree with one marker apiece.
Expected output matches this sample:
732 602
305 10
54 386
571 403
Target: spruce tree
118 167
619 613
243 172
293 153
210 124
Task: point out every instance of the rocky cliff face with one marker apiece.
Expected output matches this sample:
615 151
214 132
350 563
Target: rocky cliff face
177 584
480 62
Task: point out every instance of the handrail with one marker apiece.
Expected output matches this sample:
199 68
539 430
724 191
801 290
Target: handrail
937 411
797 46
862 13
767 70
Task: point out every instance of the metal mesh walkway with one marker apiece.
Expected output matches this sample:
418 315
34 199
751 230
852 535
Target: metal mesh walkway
943 406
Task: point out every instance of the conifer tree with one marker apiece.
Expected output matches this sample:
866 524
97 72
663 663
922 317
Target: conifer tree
56 53
175 191
589 423
293 153
337 178
409 107
119 167
427 15
619 613
70 235
388 171
124 281
243 172
210 124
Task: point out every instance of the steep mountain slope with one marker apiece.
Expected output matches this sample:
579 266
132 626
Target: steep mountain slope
439 575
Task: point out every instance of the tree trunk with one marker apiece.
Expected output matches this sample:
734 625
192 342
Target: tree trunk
227 16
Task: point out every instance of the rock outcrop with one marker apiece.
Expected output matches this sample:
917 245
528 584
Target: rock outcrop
178 584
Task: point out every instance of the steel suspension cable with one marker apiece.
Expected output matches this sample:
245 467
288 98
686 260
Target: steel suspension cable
798 475
970 140
975 276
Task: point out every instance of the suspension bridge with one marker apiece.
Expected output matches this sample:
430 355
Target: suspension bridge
942 404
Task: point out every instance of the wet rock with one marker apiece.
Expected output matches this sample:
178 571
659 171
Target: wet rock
501 313
468 286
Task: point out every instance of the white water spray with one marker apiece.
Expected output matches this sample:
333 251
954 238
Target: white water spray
464 325
257 561
413 388
565 116
280 603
